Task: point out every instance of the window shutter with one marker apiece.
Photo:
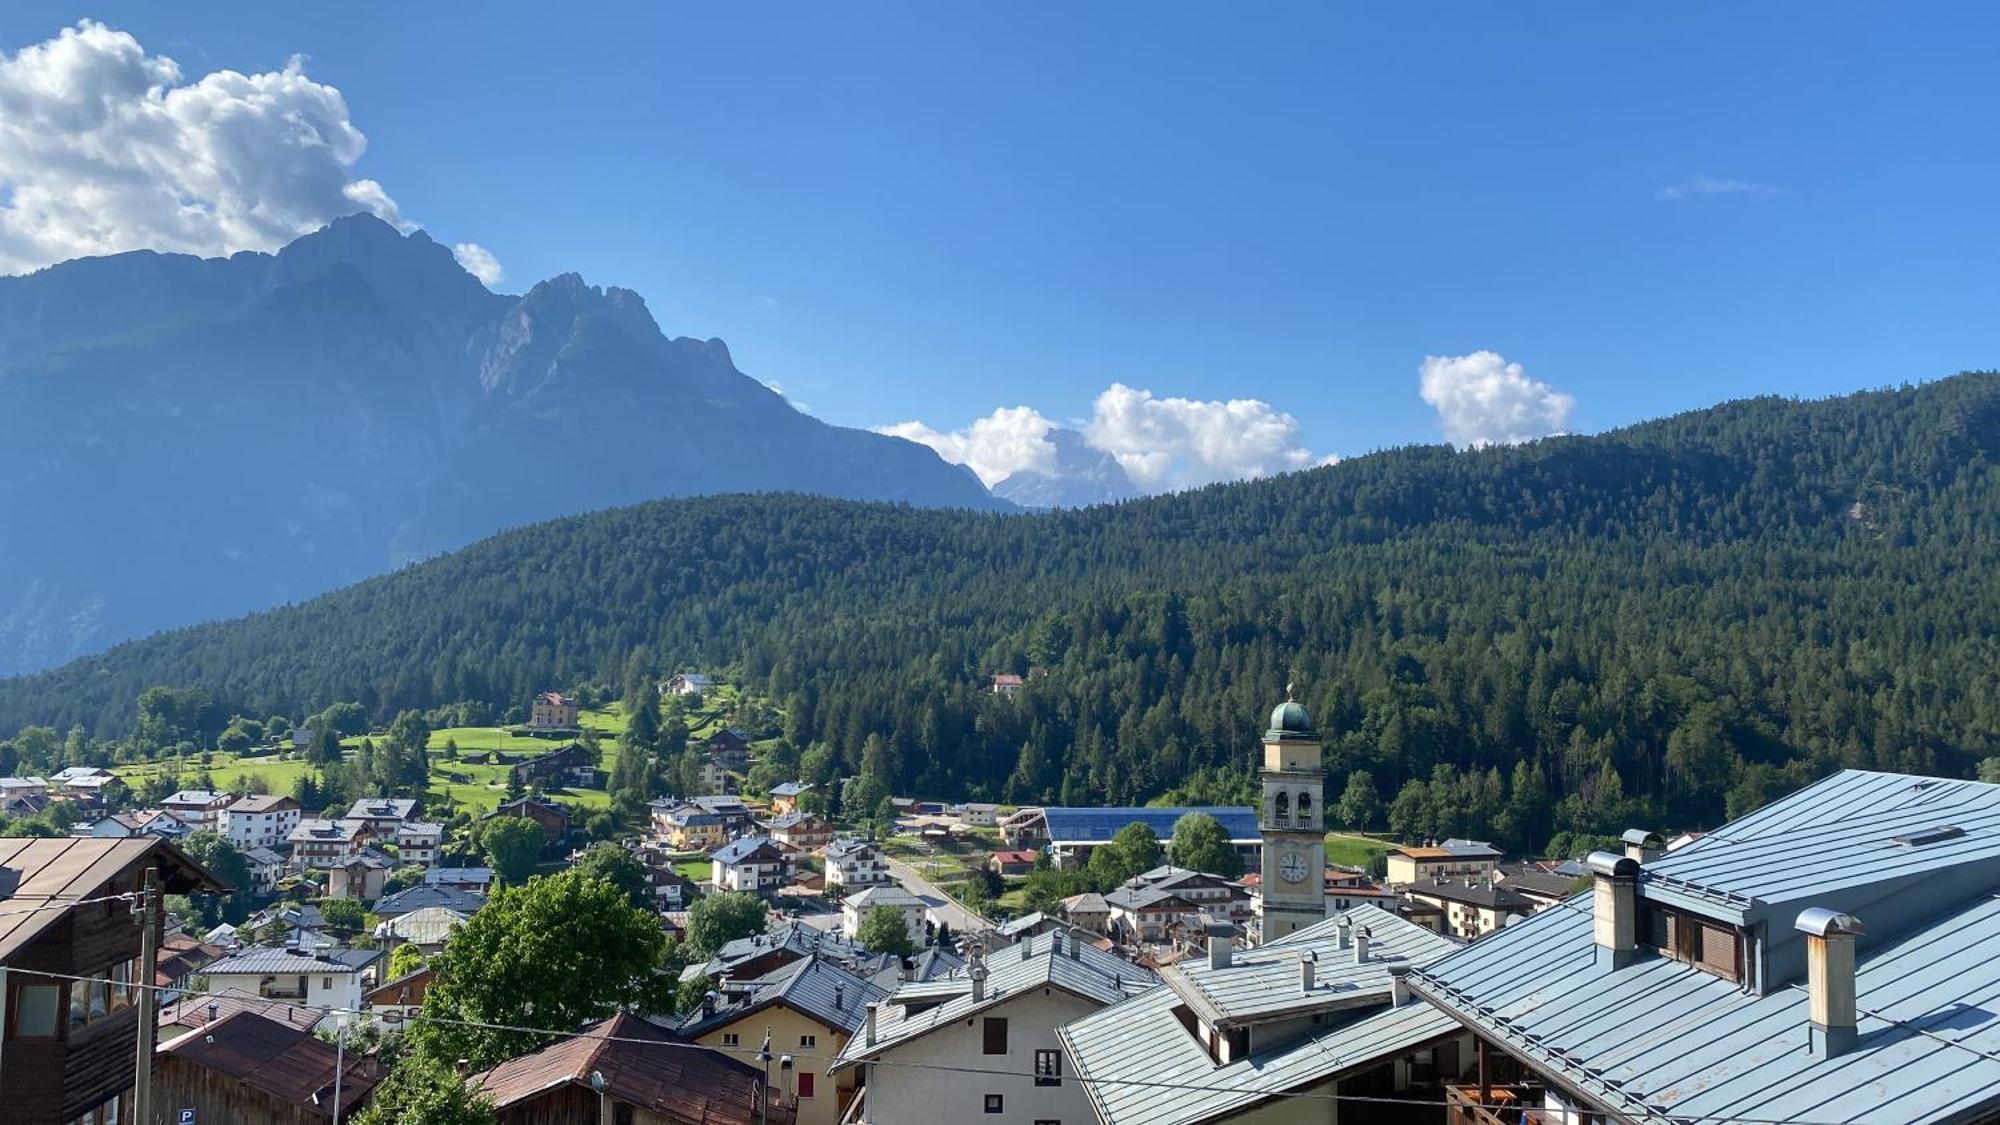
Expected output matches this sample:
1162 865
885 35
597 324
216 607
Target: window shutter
1719 951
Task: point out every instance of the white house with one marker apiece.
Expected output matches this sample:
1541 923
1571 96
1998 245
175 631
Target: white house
753 864
259 821
981 1044
979 814
686 683
332 978
199 807
855 909
327 843
855 863
265 867
419 842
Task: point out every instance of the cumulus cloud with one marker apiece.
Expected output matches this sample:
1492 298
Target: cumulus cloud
1694 187
1005 442
479 262
1168 443
1162 443
1481 399
105 148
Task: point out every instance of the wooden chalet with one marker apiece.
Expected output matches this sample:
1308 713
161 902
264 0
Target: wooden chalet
248 1067
67 1054
574 764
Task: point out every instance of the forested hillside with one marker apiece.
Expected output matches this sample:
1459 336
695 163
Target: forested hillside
1572 635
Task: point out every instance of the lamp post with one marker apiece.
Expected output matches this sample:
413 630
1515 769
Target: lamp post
598 1084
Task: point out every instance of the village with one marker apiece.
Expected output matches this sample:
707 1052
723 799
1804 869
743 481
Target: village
965 960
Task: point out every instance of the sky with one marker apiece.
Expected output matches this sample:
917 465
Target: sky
1218 243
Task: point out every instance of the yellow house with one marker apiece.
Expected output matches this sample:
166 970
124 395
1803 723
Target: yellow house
809 1009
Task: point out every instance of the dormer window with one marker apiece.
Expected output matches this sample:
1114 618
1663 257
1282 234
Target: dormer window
1712 947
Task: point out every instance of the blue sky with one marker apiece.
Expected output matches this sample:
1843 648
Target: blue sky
927 214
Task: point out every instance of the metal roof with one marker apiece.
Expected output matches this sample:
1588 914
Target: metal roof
1659 1040
51 871
1090 973
279 1058
812 986
742 850
263 961
1145 1043
1099 825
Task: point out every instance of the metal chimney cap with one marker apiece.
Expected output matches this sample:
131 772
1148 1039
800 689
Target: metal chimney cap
1822 922
1641 837
1612 865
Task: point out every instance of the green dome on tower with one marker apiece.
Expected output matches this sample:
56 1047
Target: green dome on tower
1291 723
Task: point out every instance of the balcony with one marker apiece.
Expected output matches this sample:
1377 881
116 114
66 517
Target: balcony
1513 1103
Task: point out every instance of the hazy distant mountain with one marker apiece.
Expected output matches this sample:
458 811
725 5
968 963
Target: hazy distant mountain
1082 476
184 438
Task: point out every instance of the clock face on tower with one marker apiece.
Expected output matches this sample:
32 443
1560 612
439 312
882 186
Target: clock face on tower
1293 867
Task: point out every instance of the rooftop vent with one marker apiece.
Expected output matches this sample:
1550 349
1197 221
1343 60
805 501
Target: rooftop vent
1830 988
1614 908
1936 835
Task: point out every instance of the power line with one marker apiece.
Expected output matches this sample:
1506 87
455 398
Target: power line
751 1053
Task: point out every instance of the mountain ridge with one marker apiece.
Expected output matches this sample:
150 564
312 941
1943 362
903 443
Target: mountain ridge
265 427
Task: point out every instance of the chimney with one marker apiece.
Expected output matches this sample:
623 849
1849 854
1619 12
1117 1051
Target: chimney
1615 908
1361 946
1075 945
1830 979
978 974
871 1022
1399 985
1308 961
1221 950
839 997
1028 947
1642 846
1345 930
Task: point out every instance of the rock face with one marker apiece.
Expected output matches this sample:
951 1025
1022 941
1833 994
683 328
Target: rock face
184 438
1082 476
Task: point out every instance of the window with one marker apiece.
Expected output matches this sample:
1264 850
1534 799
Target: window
729 1039
995 1104
805 1083
1708 946
1281 809
808 1040
34 1011
1048 1068
996 1040
1305 808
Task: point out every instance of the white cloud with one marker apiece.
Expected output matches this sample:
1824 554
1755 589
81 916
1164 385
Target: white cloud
1697 186
1481 399
105 148
479 262
1166 443
1005 442
1162 443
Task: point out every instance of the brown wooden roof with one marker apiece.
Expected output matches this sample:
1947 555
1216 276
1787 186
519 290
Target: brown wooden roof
682 1083
284 1061
53 871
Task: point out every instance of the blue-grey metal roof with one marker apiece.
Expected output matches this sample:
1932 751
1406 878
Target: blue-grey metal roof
261 959
813 986
1081 970
1169 1078
741 850
1660 1040
1099 825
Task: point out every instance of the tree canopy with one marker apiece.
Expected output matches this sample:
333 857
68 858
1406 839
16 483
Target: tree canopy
885 931
719 919
513 845
1200 844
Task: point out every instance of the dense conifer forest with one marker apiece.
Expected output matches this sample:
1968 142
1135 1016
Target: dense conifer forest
1659 624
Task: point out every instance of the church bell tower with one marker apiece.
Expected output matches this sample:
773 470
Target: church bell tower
1294 870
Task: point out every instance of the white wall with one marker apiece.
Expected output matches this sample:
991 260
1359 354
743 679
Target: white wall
903 1093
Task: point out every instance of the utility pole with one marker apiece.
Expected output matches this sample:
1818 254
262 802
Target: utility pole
149 1019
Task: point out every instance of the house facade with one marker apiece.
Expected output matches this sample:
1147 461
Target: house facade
321 844
810 1008
66 1045
983 1043
753 863
334 978
855 909
259 821
855 863
1453 859
553 710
